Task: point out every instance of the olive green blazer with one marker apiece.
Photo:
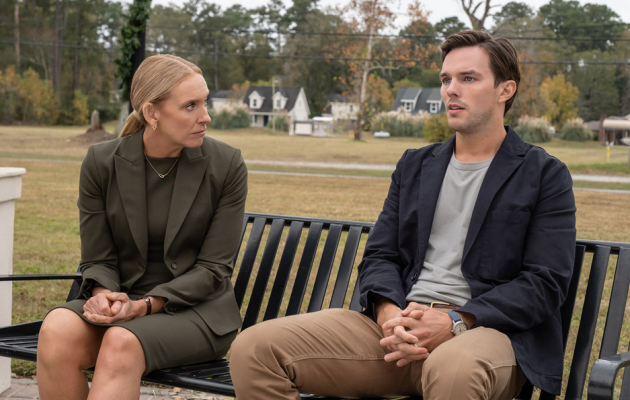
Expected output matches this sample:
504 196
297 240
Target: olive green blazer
202 232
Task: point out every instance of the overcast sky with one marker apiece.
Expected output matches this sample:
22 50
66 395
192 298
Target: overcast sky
439 9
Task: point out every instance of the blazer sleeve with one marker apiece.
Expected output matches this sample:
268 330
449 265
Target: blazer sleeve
548 258
99 258
210 276
381 267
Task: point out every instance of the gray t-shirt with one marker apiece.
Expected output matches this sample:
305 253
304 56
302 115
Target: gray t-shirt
441 277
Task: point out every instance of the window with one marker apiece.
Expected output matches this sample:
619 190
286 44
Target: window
254 103
351 108
278 104
434 108
408 106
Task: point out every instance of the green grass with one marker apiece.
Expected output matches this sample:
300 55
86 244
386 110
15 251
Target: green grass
620 169
601 185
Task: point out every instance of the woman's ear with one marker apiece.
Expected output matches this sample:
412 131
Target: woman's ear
151 114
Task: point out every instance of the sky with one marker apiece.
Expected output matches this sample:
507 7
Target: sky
439 9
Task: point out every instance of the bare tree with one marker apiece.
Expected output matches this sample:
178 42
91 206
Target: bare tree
16 33
471 8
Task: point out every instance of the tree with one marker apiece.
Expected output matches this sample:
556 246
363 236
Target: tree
596 83
569 19
560 97
449 25
369 18
136 25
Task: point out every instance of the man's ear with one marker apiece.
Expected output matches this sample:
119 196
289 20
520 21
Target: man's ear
507 90
151 114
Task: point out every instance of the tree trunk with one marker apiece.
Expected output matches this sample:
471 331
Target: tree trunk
216 61
57 47
366 71
16 33
75 69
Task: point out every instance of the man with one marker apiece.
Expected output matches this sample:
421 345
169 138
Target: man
463 275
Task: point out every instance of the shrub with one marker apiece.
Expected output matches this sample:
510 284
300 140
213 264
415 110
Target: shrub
574 130
80 110
8 95
231 117
533 130
399 123
436 129
281 121
37 100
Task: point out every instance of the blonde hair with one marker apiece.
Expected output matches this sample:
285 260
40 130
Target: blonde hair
152 83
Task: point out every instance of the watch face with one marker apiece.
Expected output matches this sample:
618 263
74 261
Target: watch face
459 328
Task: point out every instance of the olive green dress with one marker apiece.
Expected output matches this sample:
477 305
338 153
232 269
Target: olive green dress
167 340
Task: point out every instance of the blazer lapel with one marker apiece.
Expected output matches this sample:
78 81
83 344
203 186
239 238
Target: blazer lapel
190 172
505 162
431 177
131 183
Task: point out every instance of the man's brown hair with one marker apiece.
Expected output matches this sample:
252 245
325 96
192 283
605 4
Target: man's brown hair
503 56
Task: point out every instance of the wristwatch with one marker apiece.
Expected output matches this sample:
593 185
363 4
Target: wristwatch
459 326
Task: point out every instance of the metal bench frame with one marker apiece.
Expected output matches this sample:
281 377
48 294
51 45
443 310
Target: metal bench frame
20 341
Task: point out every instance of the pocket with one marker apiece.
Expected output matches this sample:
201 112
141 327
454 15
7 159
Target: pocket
504 240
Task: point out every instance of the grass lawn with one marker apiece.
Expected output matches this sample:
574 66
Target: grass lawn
46 225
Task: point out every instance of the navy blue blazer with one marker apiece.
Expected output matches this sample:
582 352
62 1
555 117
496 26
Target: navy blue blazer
518 254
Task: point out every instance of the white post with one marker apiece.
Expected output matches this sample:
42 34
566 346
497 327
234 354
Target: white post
10 189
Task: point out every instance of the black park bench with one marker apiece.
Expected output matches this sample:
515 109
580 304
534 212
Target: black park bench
270 283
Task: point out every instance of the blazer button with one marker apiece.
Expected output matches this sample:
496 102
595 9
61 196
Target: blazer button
414 277
174 265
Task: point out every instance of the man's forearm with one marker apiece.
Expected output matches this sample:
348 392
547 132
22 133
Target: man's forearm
385 310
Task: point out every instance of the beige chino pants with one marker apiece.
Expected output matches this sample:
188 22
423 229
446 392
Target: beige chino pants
337 353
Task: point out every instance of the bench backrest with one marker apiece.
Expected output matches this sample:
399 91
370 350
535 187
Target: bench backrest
282 286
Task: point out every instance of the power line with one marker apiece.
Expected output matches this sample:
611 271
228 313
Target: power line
365 35
312 58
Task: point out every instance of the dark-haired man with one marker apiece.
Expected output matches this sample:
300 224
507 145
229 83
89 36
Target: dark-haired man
462 277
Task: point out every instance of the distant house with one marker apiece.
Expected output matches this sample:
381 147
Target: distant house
412 100
341 108
263 103
611 129
220 99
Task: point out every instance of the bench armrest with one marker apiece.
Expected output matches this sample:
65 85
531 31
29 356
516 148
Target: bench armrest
38 277
602 379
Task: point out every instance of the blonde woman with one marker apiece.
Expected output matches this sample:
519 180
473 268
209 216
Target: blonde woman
161 210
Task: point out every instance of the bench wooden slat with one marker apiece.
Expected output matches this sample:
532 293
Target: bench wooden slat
304 269
249 258
588 323
566 311
284 270
264 272
345 267
325 266
616 306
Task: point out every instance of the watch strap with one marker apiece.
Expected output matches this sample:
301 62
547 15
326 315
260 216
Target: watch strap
147 300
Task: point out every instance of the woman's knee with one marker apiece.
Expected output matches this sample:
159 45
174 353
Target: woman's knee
121 349
65 336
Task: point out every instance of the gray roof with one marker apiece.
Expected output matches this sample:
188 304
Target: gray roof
424 95
410 93
220 94
338 98
291 93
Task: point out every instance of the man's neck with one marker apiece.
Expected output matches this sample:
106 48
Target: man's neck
478 146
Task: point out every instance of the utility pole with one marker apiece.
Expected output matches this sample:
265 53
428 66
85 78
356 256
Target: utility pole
16 33
216 61
273 104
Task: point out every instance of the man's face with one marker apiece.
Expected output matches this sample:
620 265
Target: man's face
468 90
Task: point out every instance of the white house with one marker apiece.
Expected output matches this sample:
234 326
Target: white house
263 103
219 99
341 108
413 100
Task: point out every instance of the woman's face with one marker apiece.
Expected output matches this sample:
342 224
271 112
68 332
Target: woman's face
182 117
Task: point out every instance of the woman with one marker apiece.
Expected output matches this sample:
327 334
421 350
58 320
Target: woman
161 211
